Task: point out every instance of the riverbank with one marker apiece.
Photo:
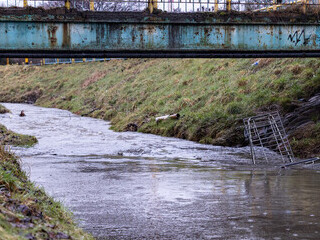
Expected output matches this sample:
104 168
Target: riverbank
8 137
3 110
211 95
26 212
11 138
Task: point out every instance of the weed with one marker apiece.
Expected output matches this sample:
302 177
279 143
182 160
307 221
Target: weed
234 108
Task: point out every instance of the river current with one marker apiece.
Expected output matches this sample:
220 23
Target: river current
140 186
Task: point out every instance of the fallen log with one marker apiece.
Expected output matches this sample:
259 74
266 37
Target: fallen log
165 117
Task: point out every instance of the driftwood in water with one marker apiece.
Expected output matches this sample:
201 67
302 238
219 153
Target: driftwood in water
172 116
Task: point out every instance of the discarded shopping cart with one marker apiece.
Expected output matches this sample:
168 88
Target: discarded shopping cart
267 131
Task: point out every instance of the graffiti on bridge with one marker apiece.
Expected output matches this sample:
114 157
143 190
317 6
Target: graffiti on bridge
299 37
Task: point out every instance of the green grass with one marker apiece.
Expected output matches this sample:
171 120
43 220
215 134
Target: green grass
306 141
3 110
12 138
211 95
26 211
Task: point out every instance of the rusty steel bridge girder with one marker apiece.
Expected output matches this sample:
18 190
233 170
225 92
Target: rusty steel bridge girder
147 35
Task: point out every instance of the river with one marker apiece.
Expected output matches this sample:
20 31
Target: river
140 186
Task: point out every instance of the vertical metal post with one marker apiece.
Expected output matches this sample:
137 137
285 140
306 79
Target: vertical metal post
72 60
67 4
91 5
26 60
216 5
228 5
152 4
44 61
83 60
251 142
155 4
8 61
57 60
25 3
303 6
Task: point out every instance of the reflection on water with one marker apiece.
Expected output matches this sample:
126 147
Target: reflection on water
140 186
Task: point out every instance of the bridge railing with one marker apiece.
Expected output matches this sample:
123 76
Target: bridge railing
168 5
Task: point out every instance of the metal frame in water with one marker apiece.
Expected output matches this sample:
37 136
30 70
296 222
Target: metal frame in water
267 131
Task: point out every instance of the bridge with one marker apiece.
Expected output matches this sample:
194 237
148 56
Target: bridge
197 29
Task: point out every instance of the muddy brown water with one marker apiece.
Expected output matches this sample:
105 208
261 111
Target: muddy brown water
141 186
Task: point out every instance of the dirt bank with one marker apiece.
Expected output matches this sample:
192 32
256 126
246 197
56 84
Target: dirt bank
303 127
211 95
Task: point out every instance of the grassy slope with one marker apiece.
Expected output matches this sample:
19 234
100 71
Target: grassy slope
212 95
26 212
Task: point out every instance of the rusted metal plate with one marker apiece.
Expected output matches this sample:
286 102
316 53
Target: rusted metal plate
153 39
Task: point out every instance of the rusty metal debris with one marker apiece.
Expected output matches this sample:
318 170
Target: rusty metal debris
305 161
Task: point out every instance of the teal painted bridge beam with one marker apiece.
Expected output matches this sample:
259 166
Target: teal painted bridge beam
165 35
